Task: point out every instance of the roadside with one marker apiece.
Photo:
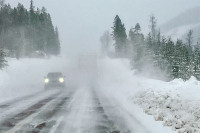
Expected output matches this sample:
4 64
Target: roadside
176 104
118 85
160 106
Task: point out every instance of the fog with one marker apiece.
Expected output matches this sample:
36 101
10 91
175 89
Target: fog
82 23
97 86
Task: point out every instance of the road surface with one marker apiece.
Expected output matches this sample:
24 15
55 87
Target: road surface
83 110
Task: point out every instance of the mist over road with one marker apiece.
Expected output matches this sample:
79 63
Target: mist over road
95 100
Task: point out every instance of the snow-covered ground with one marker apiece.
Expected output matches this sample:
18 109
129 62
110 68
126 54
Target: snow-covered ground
117 82
174 104
155 105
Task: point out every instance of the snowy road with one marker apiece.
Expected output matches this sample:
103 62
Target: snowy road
74 111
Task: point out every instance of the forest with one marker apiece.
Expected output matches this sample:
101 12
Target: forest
174 59
27 32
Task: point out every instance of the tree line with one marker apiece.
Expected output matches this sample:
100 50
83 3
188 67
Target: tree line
175 59
26 32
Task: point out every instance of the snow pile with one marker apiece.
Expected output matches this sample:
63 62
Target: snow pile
176 103
117 82
173 104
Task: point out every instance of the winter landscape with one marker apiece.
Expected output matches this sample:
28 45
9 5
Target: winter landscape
99 66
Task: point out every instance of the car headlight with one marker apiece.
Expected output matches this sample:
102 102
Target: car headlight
46 80
61 80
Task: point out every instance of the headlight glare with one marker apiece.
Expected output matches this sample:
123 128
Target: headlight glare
46 80
61 80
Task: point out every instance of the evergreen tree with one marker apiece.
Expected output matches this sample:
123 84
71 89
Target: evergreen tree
189 38
137 28
3 62
32 8
162 54
120 37
105 42
152 26
137 43
23 32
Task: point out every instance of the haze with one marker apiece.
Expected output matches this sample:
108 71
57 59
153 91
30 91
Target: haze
81 23
146 83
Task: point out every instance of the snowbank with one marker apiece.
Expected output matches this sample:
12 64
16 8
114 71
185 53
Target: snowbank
117 81
176 103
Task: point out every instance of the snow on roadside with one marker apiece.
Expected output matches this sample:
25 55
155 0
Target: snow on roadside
181 115
176 103
118 83
173 105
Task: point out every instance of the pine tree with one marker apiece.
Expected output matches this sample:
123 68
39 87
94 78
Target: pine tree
152 26
137 28
137 43
105 42
120 37
57 42
24 32
3 62
2 3
32 8
189 38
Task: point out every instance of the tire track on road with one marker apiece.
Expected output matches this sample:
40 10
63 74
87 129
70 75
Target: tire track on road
124 120
47 118
104 123
13 121
17 100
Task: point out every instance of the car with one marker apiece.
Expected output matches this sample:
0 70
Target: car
54 80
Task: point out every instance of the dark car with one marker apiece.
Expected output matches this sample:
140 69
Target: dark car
54 79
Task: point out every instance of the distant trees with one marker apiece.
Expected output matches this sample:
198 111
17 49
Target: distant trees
136 45
152 26
189 37
3 61
22 31
173 58
105 42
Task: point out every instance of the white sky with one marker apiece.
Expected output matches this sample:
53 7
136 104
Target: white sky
82 22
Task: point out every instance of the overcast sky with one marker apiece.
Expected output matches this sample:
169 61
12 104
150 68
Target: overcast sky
82 22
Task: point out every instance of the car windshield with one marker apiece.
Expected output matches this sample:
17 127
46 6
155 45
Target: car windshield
54 75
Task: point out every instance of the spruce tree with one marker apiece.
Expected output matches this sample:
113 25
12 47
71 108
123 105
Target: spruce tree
120 37
3 62
152 26
105 42
24 32
189 38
